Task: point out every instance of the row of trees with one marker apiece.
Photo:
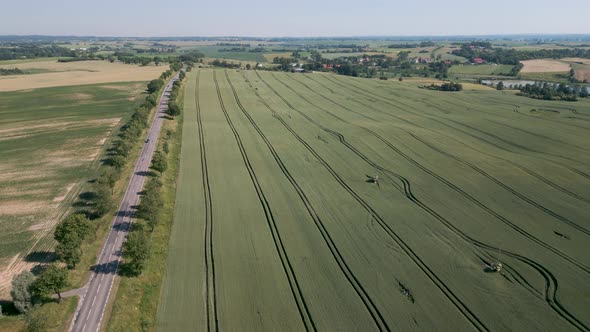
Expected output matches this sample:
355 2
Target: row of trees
174 107
548 91
28 51
136 249
512 56
10 71
225 64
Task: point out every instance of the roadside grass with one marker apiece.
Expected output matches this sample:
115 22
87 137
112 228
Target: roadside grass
137 299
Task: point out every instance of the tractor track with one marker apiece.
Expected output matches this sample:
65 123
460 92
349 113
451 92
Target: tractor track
346 270
537 135
389 102
553 120
468 196
210 292
536 175
285 262
452 297
551 283
506 187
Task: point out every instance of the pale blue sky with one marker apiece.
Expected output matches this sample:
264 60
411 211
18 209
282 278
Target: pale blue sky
306 18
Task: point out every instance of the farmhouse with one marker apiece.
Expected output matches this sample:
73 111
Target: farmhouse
479 61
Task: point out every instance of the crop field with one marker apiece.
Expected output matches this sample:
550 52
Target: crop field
53 73
279 226
51 141
480 70
213 52
543 65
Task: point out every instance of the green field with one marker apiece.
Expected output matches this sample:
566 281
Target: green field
213 52
51 142
277 228
480 70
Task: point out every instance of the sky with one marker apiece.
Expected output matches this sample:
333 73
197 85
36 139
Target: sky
303 18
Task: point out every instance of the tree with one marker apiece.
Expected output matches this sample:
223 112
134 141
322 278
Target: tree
109 178
248 66
159 162
75 223
151 202
145 61
158 60
52 281
69 234
69 250
500 86
155 85
136 251
103 201
173 109
21 291
117 162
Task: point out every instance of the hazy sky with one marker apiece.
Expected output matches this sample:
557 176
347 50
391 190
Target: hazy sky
292 18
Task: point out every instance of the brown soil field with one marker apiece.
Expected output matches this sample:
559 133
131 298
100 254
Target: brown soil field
544 65
77 73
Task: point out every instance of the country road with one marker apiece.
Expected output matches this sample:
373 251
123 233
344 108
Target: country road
95 294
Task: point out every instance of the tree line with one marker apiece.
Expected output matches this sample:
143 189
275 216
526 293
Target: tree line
136 249
448 86
548 91
10 71
510 56
27 51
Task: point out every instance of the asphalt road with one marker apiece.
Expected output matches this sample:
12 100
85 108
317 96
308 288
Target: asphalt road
94 296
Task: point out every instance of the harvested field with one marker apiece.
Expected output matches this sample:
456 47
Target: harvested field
50 143
76 73
280 223
542 66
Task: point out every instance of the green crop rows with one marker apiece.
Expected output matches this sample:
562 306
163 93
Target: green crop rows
279 227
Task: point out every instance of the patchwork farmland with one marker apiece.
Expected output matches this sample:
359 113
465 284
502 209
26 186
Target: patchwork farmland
322 202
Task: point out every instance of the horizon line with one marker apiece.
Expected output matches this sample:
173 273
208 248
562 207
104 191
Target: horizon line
532 34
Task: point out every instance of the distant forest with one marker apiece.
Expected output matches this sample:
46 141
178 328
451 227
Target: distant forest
484 50
34 51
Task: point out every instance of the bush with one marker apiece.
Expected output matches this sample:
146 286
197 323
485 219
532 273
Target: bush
21 291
